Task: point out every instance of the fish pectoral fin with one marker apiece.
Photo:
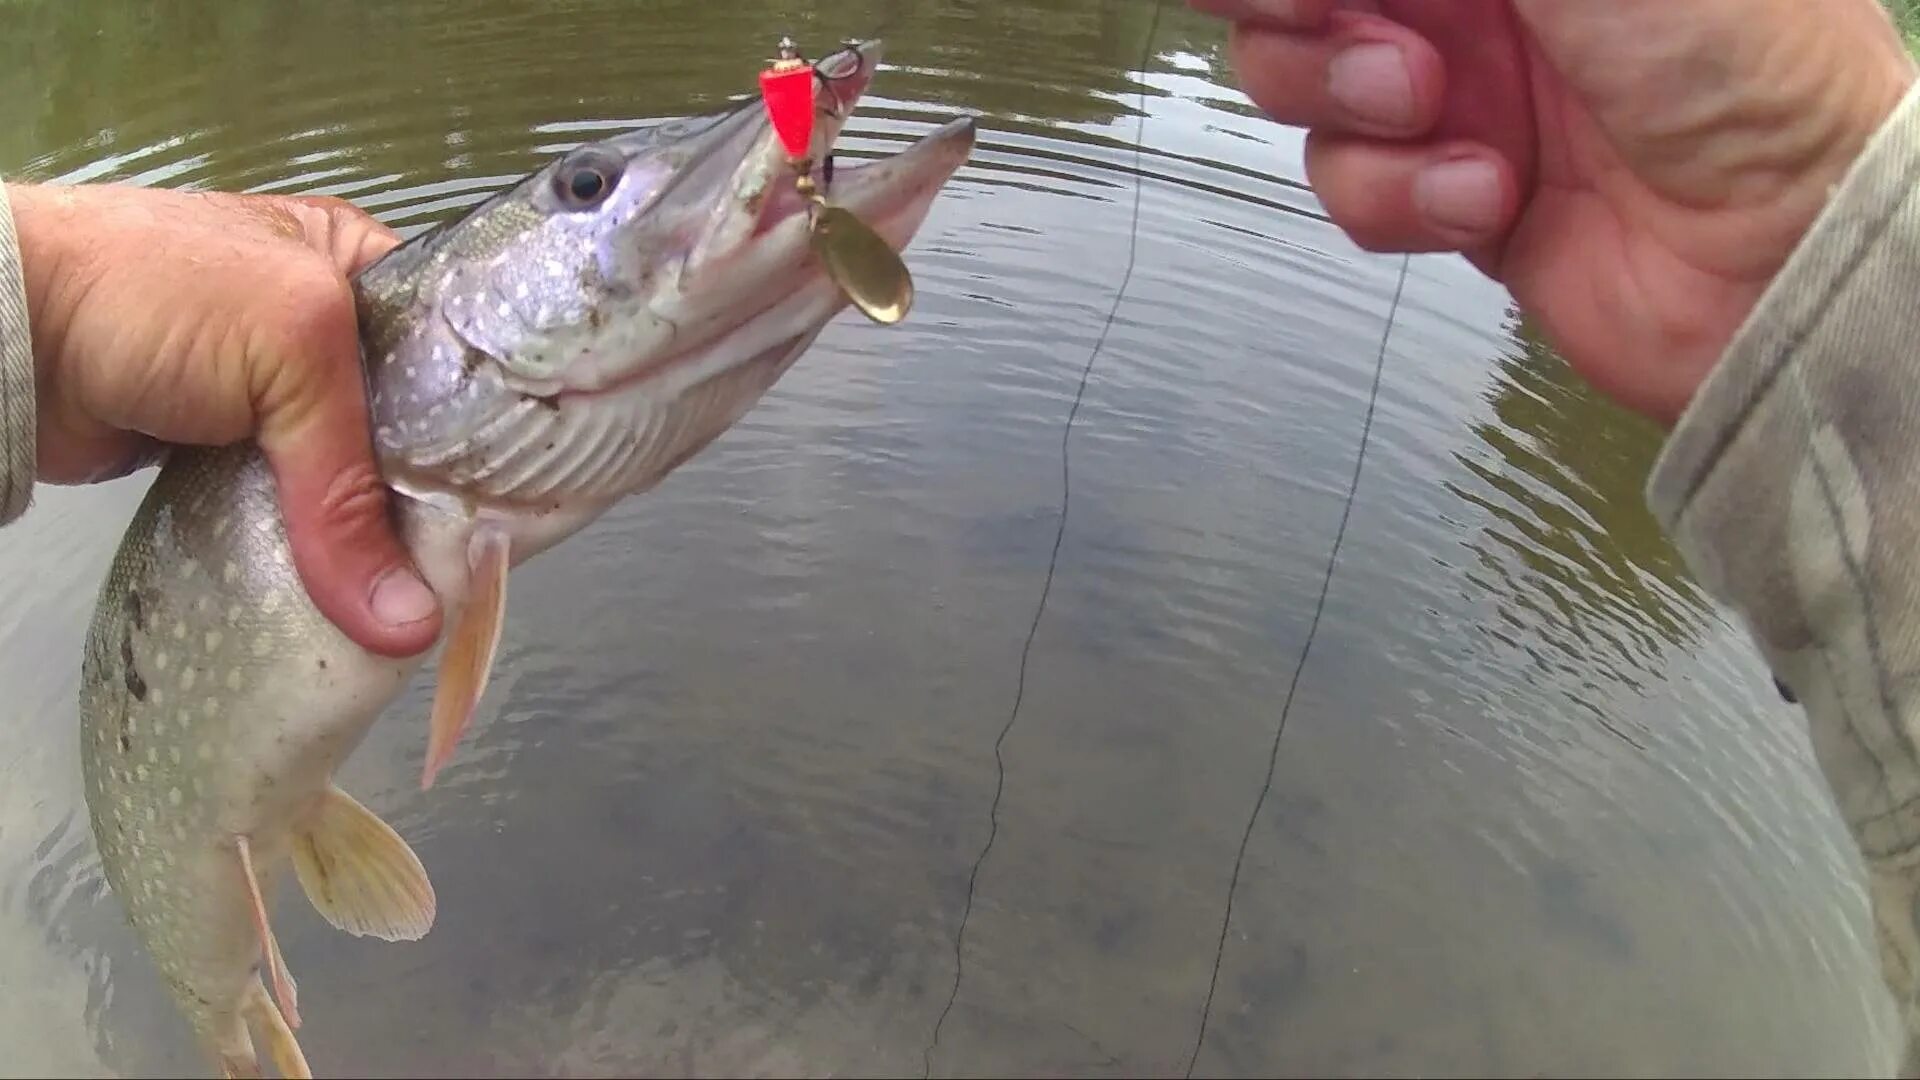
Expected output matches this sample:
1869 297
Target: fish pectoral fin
281 1044
468 658
361 876
283 986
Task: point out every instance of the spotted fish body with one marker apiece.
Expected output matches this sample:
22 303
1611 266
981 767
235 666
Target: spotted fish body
217 702
566 344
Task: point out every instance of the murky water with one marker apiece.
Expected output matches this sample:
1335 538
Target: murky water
1536 808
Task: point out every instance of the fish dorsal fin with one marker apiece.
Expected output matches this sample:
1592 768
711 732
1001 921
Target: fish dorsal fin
359 874
468 659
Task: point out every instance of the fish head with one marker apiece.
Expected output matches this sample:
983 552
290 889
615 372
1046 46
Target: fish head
591 327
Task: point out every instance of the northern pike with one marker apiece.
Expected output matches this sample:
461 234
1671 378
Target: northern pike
563 345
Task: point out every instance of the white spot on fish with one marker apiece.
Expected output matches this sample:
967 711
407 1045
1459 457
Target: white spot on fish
412 371
179 630
521 291
199 788
204 753
542 315
153 758
179 830
233 679
188 567
150 813
211 708
173 796
270 603
187 678
506 310
213 640
202 605
173 754
262 645
156 698
230 573
233 615
160 660
220 526
133 724
159 722
554 268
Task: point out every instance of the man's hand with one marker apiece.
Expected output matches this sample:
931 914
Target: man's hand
1634 171
168 317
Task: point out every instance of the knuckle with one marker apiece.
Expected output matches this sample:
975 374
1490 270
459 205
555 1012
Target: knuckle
349 236
355 497
301 356
332 206
317 316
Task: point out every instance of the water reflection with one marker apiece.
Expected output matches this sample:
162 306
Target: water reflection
1597 574
718 813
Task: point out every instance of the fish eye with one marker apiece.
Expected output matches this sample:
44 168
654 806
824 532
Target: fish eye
586 177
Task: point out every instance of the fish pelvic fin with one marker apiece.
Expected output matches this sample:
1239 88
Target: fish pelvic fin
359 874
468 659
283 985
281 1045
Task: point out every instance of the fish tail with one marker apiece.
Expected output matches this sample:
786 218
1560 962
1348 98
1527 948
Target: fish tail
226 1040
281 1044
230 1042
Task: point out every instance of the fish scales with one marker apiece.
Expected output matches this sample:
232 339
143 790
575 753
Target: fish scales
565 344
216 698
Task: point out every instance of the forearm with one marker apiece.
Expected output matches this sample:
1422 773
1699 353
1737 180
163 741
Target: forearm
18 429
1792 486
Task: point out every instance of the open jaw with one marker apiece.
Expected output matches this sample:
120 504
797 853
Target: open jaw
762 208
901 185
751 279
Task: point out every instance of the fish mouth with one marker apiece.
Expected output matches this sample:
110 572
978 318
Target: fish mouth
744 277
878 191
756 232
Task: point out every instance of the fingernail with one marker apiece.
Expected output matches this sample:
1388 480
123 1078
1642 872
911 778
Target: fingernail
1371 82
400 597
1459 196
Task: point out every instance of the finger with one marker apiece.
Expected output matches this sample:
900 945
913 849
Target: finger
1293 14
346 234
314 430
1450 196
1363 75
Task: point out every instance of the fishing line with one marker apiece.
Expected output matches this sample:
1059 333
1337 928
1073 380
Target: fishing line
1053 561
1313 629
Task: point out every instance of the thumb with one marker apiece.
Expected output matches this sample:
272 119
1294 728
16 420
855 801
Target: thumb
313 426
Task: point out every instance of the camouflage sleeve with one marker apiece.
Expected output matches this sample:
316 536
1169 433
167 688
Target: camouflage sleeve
17 454
1792 486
